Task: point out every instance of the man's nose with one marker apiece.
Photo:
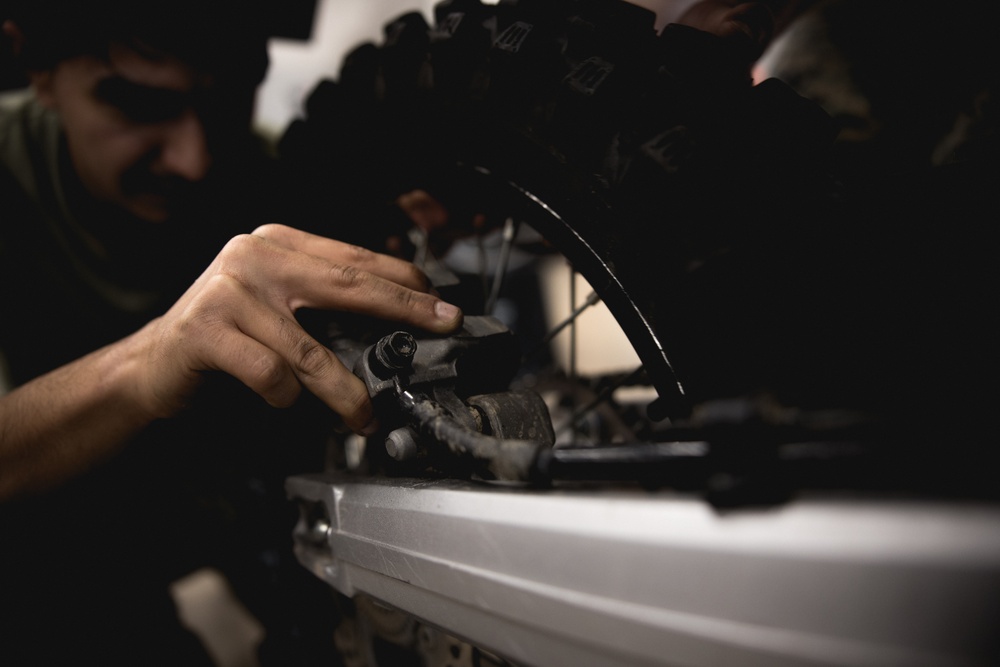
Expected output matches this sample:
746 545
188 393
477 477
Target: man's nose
185 148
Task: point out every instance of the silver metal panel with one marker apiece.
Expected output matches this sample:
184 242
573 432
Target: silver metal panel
637 578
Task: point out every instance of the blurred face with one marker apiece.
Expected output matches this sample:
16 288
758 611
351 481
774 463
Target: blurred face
141 127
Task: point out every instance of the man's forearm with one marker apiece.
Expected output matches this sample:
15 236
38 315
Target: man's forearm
63 423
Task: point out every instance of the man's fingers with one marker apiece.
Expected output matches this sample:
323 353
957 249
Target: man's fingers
289 280
260 368
280 382
347 288
271 353
313 365
337 252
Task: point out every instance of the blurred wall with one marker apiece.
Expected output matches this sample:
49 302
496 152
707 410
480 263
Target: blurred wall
297 66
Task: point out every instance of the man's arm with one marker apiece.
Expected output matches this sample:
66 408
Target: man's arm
62 423
239 318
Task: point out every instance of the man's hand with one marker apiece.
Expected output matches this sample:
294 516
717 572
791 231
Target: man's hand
239 317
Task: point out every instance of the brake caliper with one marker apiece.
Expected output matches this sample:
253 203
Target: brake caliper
451 395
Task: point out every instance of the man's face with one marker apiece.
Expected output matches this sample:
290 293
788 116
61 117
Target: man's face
141 128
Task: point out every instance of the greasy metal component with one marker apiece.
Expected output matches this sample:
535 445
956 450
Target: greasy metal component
445 397
430 379
439 649
481 357
369 620
628 577
401 444
373 623
510 434
517 415
393 354
512 460
425 390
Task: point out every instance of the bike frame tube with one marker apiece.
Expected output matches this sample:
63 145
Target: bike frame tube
630 577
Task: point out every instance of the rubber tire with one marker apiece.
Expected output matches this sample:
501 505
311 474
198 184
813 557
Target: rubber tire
666 176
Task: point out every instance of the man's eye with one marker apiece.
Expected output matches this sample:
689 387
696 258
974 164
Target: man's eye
150 110
140 104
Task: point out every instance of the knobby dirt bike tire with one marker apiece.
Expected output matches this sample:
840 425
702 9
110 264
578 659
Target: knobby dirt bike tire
699 205
655 164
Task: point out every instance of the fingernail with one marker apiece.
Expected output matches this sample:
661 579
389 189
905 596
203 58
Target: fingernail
445 311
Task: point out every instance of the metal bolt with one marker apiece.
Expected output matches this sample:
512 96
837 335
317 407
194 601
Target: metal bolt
396 350
401 444
316 523
319 532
